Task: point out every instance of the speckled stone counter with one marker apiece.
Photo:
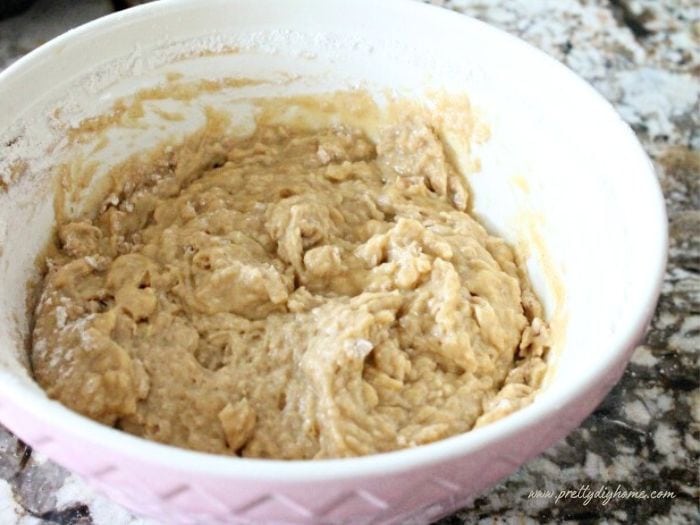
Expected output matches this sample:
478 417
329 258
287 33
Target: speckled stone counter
643 56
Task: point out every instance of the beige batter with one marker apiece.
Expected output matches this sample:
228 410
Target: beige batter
295 294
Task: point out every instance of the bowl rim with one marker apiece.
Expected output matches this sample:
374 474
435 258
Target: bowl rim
296 471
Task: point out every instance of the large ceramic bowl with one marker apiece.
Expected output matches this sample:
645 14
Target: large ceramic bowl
561 175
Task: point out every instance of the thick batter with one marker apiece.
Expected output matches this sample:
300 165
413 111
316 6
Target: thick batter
295 294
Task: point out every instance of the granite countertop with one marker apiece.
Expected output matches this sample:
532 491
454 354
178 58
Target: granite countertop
643 56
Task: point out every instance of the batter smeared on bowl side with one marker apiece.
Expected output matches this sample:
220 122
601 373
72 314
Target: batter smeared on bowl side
298 293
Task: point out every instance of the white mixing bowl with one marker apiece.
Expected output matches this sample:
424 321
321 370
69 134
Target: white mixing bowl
561 172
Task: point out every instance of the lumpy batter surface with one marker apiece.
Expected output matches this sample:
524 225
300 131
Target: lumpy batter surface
294 294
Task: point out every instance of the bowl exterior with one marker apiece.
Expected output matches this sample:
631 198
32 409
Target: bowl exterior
175 496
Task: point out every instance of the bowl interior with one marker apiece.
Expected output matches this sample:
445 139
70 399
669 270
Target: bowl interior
560 175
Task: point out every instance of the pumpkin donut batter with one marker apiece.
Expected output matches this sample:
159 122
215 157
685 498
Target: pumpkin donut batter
299 293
